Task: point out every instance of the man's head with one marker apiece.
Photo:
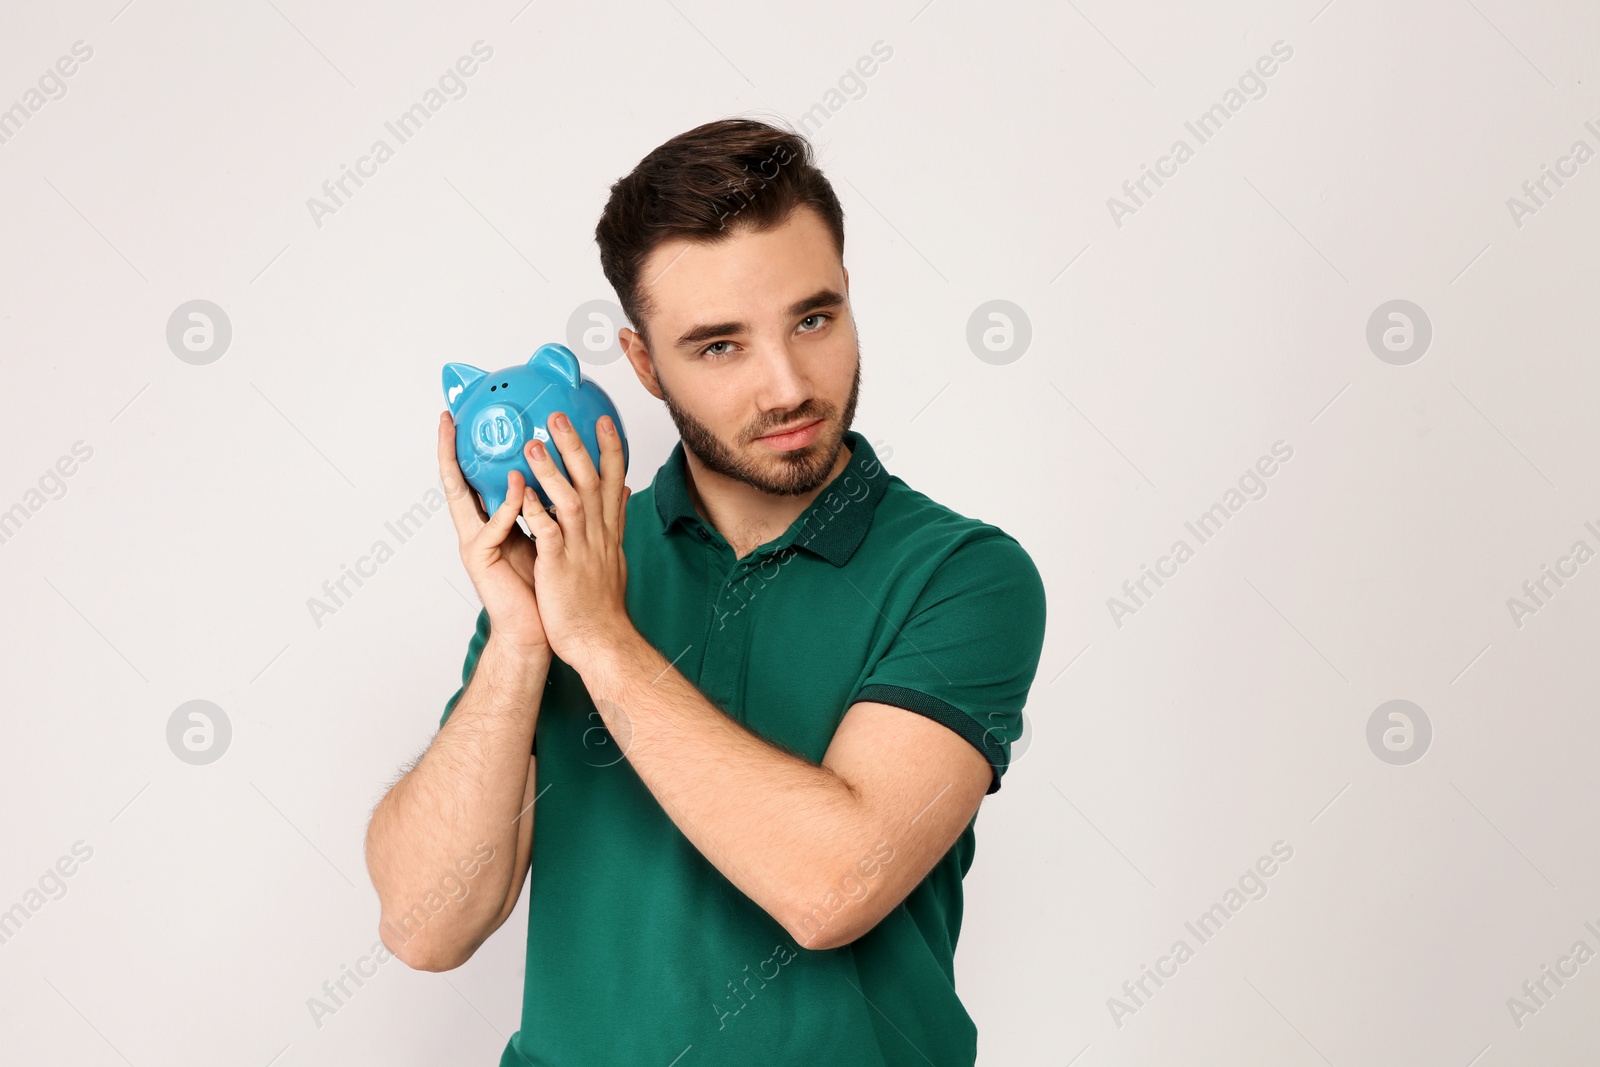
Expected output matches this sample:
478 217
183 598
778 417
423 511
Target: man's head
725 246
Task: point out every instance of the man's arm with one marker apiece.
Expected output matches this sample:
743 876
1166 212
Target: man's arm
471 792
780 828
787 832
448 846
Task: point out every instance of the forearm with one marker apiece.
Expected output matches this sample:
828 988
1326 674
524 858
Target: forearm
462 799
772 822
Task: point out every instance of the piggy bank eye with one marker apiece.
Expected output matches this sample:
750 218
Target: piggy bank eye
505 385
492 388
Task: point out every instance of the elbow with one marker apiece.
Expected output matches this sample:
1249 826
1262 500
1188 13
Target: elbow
820 941
818 929
813 939
419 953
424 961
819 917
444 943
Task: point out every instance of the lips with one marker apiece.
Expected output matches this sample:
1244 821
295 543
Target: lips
791 429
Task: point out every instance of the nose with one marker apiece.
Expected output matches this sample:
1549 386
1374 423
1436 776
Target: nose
783 386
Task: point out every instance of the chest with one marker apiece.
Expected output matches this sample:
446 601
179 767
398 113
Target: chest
778 642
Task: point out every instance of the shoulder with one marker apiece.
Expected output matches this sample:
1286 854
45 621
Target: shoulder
936 534
946 568
642 499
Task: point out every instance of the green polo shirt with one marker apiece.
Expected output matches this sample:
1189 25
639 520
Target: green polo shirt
640 952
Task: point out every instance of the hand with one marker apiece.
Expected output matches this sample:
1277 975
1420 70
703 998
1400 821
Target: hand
580 571
499 558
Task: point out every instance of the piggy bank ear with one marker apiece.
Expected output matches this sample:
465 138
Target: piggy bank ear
457 378
559 358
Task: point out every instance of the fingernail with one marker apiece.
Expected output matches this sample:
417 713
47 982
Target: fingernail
561 422
538 449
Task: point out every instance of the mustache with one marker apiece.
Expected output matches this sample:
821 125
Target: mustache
803 415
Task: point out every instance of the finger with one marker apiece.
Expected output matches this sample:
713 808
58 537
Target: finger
520 549
463 502
580 467
568 504
499 525
622 523
532 506
612 473
477 505
547 532
457 482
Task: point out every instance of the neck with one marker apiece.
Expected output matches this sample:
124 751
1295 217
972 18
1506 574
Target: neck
746 516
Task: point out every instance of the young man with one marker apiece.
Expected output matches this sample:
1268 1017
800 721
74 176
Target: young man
738 727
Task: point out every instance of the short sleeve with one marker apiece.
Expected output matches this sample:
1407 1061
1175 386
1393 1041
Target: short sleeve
967 654
480 637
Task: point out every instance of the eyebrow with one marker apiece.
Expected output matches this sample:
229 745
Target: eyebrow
822 298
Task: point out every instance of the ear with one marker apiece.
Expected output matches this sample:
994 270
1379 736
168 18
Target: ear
560 359
458 377
644 366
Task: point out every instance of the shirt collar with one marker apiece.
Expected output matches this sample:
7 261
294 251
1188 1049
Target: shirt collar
833 526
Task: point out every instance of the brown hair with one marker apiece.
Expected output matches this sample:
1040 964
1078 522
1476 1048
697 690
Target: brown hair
704 185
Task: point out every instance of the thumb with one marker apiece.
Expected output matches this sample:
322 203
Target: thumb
499 524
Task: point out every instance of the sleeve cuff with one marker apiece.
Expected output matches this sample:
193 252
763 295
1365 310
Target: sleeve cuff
945 714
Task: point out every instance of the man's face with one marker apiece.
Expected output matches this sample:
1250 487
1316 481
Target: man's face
753 336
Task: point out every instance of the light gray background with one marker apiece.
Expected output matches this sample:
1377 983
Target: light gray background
1167 753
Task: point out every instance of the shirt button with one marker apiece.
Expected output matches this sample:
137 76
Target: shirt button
702 532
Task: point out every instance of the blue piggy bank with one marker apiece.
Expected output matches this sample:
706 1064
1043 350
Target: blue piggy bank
496 414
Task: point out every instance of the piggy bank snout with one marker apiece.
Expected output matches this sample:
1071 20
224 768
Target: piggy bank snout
496 432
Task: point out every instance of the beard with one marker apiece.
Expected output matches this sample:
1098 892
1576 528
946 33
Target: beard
791 473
